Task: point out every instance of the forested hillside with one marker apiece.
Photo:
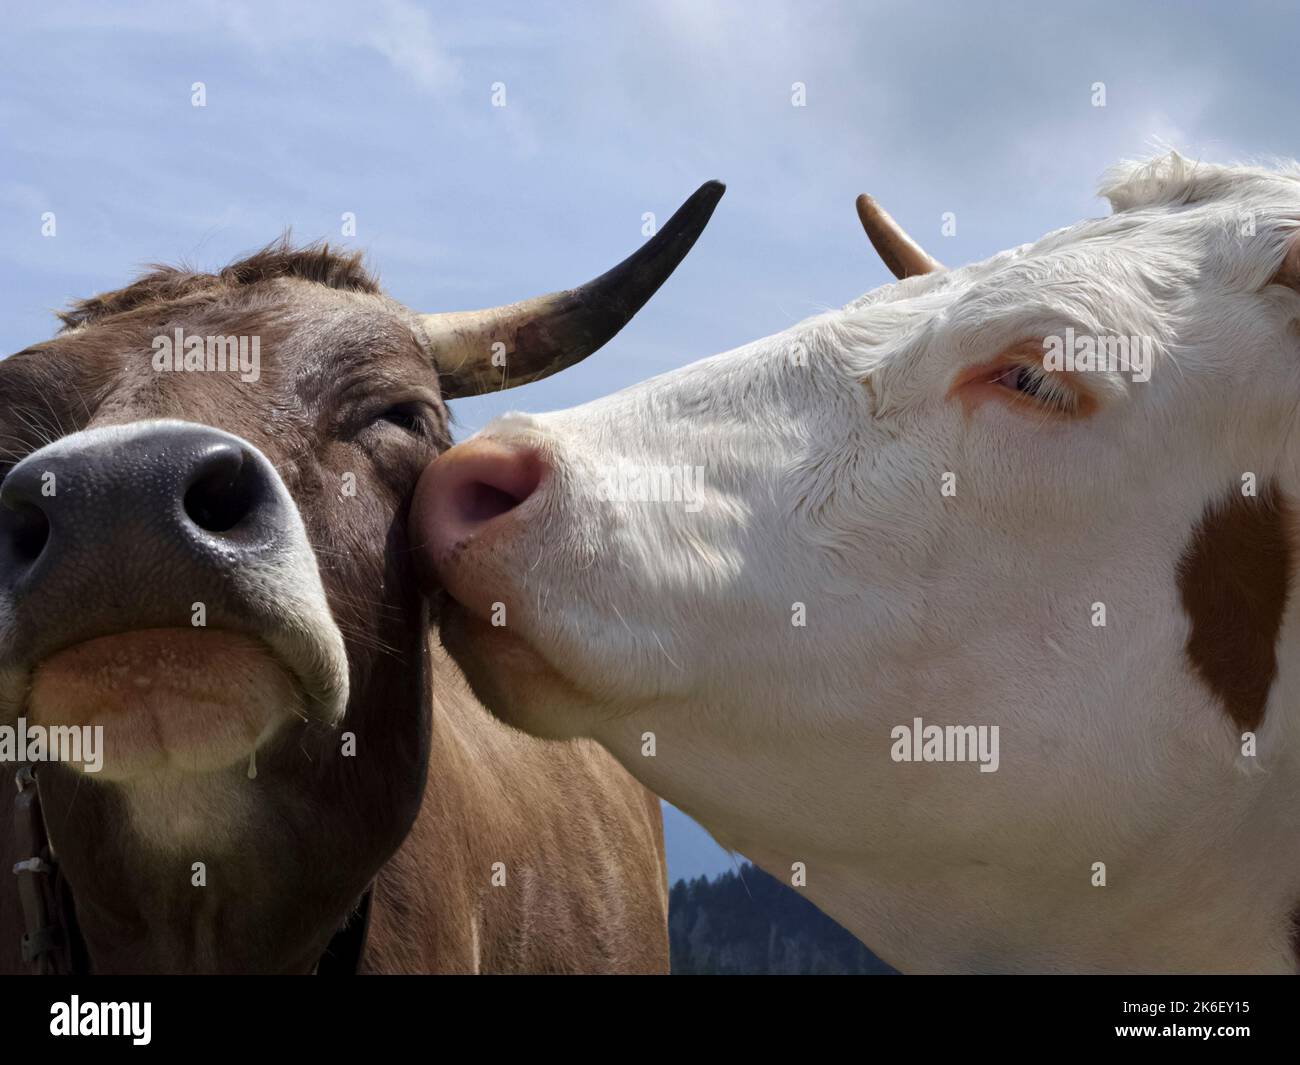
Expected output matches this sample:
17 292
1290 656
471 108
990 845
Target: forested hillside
747 922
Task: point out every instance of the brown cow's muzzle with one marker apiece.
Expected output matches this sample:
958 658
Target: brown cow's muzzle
156 579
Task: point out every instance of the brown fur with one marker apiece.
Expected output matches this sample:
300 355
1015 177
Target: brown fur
167 284
1234 578
1295 936
439 791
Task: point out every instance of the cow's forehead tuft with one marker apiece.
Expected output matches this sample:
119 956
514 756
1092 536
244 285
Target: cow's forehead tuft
317 263
1172 179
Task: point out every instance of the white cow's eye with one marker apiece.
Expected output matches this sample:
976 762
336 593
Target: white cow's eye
1043 386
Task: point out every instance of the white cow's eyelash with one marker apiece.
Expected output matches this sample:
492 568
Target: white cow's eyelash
1043 386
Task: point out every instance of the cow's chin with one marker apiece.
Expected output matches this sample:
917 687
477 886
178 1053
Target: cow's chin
170 701
513 680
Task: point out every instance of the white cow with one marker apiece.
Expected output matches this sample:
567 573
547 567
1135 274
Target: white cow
984 643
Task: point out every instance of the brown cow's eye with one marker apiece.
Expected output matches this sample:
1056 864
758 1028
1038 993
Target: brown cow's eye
407 416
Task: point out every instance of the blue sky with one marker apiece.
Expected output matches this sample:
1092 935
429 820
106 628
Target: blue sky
385 109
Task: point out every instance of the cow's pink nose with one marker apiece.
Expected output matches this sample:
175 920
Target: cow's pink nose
468 489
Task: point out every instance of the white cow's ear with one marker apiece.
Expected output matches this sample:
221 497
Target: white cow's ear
904 256
1289 272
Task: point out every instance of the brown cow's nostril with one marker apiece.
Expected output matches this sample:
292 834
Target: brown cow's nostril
30 532
221 498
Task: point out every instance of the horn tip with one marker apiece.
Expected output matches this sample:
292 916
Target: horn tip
865 203
699 207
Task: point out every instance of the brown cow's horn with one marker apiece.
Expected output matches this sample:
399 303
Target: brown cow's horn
545 334
903 256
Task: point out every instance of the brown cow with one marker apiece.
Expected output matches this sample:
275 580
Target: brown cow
212 564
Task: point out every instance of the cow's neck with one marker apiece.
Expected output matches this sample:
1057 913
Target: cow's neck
1206 903
975 921
1208 883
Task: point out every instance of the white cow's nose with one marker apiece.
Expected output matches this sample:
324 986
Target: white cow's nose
467 494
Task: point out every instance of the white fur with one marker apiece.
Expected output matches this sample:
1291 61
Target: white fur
822 486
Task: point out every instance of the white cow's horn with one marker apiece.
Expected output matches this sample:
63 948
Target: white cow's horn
545 334
903 256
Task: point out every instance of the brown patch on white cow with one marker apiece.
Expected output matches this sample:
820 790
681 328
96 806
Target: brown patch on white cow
1234 579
